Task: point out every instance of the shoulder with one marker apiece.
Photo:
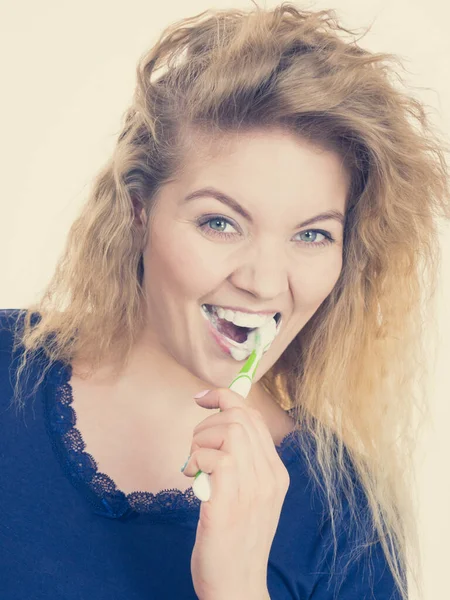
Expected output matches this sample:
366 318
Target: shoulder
11 350
11 326
8 320
11 322
354 562
344 561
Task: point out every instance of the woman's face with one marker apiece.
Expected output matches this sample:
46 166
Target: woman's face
205 251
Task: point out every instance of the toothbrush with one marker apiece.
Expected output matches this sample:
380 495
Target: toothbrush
260 339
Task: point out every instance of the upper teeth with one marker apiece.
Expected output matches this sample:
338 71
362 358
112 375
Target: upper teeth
242 319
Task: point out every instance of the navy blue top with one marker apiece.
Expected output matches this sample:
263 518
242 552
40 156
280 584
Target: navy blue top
67 532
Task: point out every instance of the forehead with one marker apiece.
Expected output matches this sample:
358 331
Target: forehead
205 144
267 162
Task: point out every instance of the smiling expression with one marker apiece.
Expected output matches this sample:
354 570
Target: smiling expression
240 229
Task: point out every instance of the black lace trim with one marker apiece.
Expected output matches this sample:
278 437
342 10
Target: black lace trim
100 490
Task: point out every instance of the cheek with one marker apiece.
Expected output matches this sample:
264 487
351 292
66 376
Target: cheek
316 281
182 263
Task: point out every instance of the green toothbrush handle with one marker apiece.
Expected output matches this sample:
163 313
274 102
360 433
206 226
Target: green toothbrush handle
240 384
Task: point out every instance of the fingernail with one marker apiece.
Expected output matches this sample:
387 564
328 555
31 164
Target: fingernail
201 394
184 466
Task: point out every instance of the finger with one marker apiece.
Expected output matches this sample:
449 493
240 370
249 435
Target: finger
222 469
221 398
234 409
251 419
263 444
232 439
267 483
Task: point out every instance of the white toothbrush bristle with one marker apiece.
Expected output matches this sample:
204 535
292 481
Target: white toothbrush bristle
266 336
268 333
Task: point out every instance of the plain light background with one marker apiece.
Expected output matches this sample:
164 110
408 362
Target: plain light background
67 76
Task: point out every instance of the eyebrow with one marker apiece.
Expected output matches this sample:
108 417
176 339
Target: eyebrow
228 201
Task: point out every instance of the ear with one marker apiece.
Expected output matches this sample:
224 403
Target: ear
140 217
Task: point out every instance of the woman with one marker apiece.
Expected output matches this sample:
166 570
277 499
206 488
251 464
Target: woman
272 168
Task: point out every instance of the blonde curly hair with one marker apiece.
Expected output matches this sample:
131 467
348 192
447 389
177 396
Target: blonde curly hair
349 373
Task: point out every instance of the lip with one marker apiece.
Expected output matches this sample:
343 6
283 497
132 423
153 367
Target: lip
245 310
221 341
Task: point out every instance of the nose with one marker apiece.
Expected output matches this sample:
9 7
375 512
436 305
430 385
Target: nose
262 272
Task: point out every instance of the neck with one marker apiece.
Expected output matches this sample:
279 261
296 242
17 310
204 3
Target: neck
153 381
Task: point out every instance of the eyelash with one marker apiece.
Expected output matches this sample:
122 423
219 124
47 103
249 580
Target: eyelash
202 222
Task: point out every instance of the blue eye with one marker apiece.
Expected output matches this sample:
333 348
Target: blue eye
217 220
314 233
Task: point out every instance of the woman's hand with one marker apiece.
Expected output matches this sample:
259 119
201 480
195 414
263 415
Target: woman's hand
249 483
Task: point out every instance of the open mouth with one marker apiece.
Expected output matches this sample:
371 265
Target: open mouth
234 333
